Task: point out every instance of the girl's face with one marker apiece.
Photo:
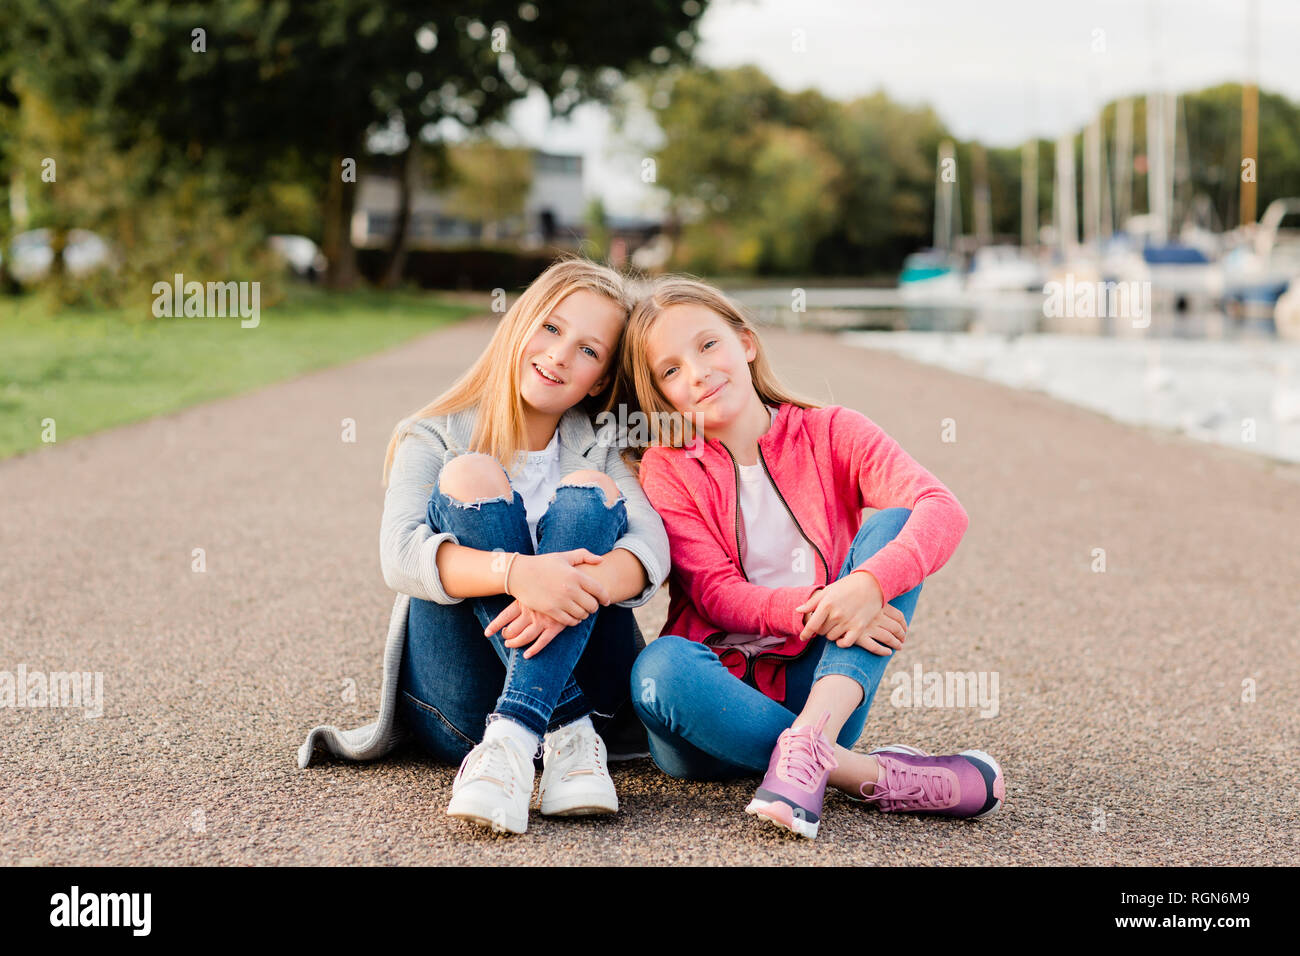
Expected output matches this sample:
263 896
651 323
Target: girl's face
566 358
701 364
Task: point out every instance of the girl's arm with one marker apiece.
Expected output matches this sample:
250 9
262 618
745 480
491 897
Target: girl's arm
623 576
882 475
703 564
408 548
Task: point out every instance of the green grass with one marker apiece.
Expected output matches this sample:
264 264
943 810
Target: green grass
94 370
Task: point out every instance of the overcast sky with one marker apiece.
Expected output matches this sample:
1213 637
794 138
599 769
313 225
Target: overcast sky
997 70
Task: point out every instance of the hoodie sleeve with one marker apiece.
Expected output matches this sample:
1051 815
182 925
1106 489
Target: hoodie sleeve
885 476
408 547
703 565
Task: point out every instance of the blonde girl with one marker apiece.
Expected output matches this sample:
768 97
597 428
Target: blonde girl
519 543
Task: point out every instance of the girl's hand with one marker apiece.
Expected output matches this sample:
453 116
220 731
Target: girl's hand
887 630
852 601
553 585
521 626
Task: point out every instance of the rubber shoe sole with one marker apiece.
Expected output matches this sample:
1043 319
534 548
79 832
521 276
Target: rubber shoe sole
581 805
579 802
465 806
782 814
998 786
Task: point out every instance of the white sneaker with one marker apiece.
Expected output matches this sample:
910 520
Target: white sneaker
575 773
493 787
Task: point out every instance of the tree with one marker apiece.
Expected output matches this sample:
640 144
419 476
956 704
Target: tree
253 85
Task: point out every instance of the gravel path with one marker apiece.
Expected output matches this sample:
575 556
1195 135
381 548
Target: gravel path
1121 723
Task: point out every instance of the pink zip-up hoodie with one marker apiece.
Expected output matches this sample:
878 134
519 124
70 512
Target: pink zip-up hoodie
827 465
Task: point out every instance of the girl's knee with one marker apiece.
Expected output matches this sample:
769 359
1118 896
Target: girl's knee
596 479
653 669
887 521
877 531
474 477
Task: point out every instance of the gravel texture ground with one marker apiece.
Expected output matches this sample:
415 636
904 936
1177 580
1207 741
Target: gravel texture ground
1146 714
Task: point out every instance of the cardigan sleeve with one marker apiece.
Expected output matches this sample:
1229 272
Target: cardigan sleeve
408 547
645 536
703 563
885 476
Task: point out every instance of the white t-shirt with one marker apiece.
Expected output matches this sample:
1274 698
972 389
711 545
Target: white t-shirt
772 550
537 480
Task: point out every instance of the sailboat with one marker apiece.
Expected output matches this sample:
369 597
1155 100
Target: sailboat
936 273
1257 276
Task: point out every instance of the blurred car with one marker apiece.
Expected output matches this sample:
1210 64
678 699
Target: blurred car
301 255
31 254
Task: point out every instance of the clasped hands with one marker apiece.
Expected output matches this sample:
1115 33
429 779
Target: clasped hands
852 611
550 593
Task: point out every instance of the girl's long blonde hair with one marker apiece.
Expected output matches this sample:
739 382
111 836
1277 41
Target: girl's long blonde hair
491 383
635 386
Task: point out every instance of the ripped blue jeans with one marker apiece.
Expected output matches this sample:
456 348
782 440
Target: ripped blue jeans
452 677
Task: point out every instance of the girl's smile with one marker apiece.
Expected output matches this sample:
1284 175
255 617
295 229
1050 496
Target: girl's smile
550 378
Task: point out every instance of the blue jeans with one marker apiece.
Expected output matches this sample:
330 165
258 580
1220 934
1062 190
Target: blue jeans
452 677
704 723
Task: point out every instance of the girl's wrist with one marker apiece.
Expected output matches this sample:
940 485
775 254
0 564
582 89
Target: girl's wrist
871 584
505 580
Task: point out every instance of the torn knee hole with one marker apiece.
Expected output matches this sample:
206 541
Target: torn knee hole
604 492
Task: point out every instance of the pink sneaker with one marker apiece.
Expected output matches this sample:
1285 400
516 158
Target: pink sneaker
792 792
968 784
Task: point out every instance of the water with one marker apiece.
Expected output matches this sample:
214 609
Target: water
1242 391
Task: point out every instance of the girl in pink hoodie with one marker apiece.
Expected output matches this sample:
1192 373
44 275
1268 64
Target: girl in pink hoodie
785 606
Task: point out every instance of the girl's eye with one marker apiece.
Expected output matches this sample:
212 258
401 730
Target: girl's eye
669 371
710 342
590 351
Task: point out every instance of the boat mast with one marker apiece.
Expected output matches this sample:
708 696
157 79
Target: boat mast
1123 162
1092 182
1029 193
947 209
982 207
1067 230
1250 112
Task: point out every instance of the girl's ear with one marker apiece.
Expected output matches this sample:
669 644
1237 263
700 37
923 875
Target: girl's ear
751 347
599 386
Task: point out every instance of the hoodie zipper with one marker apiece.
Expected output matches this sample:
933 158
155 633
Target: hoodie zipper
808 643
826 566
735 470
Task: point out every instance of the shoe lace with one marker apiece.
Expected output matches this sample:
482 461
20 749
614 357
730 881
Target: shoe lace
579 749
910 788
496 760
805 755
